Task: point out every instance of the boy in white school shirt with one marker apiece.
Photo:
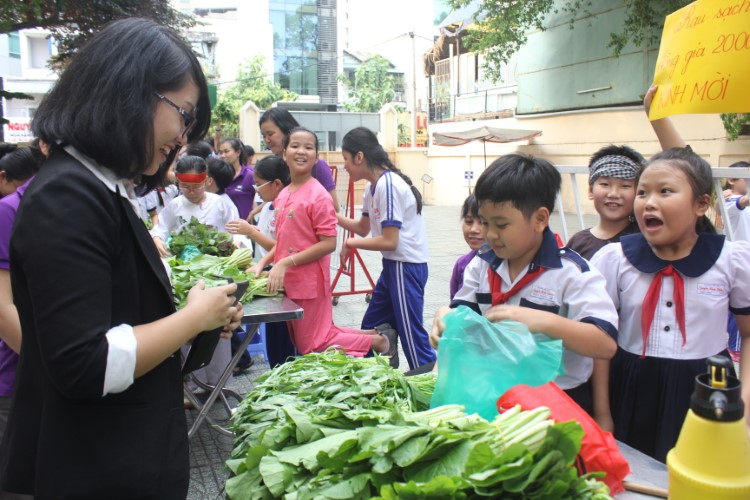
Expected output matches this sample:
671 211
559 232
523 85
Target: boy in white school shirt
521 274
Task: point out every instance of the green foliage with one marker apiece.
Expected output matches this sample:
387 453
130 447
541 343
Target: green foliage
213 271
330 426
251 84
503 30
372 86
644 22
733 123
206 238
72 22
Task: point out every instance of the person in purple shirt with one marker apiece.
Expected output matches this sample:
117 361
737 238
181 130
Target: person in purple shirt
471 227
21 165
241 190
275 125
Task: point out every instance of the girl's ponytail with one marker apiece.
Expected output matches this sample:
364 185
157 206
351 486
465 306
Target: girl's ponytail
362 139
704 225
406 179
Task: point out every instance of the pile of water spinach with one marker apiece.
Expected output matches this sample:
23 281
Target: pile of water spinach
330 426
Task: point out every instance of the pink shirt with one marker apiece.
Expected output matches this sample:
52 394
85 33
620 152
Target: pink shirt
301 218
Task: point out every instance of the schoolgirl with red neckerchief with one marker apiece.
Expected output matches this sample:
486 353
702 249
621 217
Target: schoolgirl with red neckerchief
673 284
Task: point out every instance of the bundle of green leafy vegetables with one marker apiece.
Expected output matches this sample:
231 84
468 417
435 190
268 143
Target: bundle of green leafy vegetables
205 237
330 426
213 270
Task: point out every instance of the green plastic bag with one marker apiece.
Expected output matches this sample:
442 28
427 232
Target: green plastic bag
189 253
478 361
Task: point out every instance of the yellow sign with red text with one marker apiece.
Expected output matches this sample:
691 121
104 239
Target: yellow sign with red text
703 60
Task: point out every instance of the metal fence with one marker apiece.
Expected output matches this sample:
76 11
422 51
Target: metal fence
720 219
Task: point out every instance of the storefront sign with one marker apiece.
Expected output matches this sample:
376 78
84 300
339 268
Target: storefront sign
18 130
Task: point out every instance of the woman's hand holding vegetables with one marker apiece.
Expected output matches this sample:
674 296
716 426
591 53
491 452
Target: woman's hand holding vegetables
161 247
235 322
216 304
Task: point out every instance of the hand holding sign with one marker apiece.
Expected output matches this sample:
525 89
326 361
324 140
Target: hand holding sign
702 65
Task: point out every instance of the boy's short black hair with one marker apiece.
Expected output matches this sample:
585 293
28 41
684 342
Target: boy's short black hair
524 180
199 148
19 165
272 168
190 164
614 150
221 172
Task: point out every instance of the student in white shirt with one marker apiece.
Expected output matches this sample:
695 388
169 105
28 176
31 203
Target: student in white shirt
391 213
673 284
736 203
208 208
521 274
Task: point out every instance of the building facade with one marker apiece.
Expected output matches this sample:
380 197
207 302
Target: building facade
23 68
305 48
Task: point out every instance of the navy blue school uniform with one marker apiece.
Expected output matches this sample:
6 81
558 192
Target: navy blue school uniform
653 374
398 298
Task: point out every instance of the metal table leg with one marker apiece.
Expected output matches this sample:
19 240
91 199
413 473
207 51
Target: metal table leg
203 414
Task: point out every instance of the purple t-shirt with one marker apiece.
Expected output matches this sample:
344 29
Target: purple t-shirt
242 192
8 357
457 278
322 172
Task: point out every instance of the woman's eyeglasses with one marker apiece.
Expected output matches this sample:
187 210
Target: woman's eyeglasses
189 120
257 187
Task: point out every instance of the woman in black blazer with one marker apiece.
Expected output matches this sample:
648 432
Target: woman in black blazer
98 410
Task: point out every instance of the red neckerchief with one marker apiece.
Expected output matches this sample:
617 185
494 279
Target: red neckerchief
498 297
652 297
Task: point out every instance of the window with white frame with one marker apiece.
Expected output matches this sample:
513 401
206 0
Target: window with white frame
39 51
14 45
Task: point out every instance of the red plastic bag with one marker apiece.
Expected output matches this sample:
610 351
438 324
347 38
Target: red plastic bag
599 450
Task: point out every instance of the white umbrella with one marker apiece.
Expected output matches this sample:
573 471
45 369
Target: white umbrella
484 134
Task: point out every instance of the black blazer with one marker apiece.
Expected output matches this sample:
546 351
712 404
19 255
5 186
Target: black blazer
81 263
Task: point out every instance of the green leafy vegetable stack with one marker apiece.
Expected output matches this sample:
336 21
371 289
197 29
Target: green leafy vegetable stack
208 239
208 267
330 426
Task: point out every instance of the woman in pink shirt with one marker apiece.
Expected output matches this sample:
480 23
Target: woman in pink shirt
305 238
